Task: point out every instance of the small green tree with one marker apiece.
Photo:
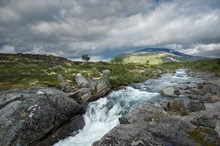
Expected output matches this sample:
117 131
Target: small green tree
85 57
117 60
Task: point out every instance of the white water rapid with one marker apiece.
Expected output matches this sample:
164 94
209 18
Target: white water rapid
102 115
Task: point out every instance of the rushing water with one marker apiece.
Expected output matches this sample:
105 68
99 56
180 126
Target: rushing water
102 115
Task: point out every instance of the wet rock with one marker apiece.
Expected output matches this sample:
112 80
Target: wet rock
169 92
206 92
69 128
29 115
196 106
204 121
148 124
81 80
176 105
127 135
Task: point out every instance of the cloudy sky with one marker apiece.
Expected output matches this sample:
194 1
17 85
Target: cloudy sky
104 28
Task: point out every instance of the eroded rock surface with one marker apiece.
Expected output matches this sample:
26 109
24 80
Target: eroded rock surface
149 124
30 115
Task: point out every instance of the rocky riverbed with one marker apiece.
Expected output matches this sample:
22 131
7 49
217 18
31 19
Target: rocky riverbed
182 108
189 114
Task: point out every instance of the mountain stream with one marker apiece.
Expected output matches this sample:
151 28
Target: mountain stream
102 115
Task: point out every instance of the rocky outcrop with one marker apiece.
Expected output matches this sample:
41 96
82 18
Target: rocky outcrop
81 80
69 128
206 92
43 116
149 124
30 115
64 85
103 86
92 89
176 121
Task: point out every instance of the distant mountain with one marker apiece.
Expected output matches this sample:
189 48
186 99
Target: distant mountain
157 56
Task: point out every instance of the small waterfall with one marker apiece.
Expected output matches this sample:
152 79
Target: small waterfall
102 115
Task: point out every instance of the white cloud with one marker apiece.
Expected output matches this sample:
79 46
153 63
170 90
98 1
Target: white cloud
211 50
71 28
7 49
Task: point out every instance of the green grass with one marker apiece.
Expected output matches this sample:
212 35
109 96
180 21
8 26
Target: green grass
152 59
24 71
208 65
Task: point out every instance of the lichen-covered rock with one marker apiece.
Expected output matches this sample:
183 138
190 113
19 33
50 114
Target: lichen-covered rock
196 106
204 136
204 121
176 105
28 115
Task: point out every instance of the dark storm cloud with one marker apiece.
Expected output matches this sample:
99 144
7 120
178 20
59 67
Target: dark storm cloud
101 27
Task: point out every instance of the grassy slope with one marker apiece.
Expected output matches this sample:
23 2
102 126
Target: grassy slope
22 71
151 58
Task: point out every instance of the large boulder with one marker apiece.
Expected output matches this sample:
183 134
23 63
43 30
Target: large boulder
169 92
103 86
27 116
64 85
176 105
91 90
81 80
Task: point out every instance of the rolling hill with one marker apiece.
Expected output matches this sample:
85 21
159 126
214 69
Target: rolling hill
157 56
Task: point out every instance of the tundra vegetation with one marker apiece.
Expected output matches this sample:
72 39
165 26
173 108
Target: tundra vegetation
26 70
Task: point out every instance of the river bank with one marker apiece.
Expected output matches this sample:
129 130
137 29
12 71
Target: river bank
47 115
173 108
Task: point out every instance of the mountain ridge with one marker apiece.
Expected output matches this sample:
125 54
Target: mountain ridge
157 56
